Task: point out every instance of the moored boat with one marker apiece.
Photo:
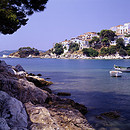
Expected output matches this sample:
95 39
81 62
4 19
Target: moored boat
123 69
115 73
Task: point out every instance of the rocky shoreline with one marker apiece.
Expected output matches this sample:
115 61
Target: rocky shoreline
76 55
26 102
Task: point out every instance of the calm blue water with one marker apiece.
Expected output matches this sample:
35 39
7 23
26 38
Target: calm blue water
89 83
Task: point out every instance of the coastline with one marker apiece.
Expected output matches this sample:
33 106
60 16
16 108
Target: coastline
42 109
74 56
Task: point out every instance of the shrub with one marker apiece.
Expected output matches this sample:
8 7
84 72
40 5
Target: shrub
90 52
58 49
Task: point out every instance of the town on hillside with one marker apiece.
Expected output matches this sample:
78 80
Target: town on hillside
84 40
109 44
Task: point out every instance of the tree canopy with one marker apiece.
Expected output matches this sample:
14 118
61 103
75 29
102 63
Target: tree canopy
120 43
90 52
107 34
73 47
26 51
58 49
14 13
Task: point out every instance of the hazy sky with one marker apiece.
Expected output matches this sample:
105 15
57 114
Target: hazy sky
63 19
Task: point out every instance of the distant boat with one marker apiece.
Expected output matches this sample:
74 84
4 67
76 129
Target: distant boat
115 73
123 69
30 56
5 56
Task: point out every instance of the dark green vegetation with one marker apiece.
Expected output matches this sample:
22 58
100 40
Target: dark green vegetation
58 49
102 45
104 39
14 13
26 51
73 47
90 52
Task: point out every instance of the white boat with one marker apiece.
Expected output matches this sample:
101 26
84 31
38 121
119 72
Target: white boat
123 69
115 73
30 56
5 56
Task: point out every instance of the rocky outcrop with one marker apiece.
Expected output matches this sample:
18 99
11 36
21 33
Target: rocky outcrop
19 68
56 118
45 111
12 113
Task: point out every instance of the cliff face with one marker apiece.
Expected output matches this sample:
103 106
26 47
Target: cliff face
25 106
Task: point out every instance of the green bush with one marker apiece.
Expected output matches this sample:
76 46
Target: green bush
58 49
90 52
104 51
122 52
73 47
26 51
112 50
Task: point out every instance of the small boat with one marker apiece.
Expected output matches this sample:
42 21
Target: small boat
115 73
123 69
30 56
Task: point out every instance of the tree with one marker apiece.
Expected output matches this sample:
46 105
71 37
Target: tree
58 49
107 34
73 47
26 51
14 13
122 52
90 52
105 41
95 42
120 43
127 48
112 50
104 51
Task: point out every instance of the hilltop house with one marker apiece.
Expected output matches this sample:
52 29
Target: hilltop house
90 35
121 29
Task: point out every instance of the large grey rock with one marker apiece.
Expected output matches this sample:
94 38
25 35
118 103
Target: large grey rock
12 113
6 68
19 68
23 90
40 118
56 118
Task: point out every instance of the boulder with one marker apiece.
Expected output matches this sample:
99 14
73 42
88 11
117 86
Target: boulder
55 118
19 68
6 68
63 94
12 113
22 89
40 118
111 114
40 82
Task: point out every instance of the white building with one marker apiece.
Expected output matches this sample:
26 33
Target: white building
90 35
121 29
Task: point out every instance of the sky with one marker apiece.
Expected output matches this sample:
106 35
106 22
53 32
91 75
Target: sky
64 19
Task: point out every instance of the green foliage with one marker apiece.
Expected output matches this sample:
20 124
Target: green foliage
107 34
90 52
127 35
58 49
127 48
73 47
128 52
14 13
112 50
26 51
120 44
122 52
95 42
105 41
104 51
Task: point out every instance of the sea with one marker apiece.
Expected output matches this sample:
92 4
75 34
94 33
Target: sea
89 83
